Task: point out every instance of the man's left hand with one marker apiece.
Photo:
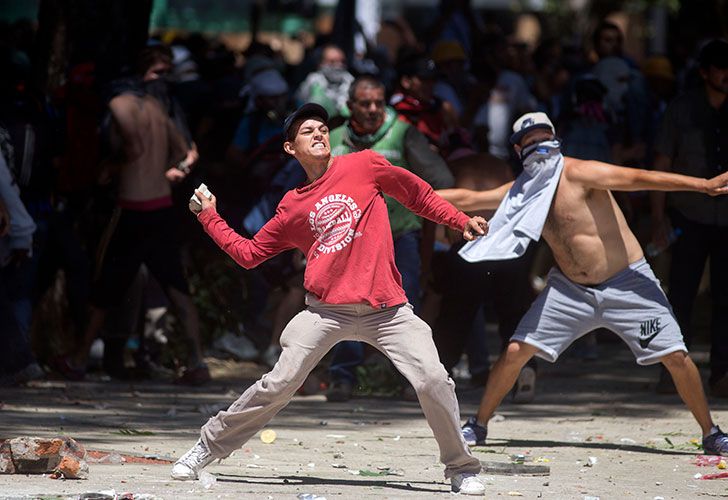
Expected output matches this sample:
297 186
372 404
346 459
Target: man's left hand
475 227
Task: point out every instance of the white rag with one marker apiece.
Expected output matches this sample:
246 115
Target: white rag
522 213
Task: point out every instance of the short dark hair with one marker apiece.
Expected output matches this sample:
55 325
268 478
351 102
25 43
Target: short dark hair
364 81
327 46
149 56
714 53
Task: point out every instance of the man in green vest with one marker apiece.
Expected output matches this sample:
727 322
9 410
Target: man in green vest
376 126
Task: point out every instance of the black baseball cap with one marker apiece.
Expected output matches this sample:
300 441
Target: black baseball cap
308 110
417 66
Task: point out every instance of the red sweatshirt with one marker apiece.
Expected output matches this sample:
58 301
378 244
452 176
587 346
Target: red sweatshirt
340 223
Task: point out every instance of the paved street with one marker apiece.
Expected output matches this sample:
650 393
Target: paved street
639 442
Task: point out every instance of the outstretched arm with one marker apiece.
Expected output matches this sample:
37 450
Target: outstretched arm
267 242
420 198
598 175
468 200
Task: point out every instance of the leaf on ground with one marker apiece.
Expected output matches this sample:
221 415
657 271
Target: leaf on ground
371 473
667 439
133 432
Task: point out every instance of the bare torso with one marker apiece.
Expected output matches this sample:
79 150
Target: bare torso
588 233
152 145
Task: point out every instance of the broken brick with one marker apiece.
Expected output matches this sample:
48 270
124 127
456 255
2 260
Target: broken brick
71 467
32 455
6 458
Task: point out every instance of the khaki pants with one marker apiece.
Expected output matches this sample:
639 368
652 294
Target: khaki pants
396 331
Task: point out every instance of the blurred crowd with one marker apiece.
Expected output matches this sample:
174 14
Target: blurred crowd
97 242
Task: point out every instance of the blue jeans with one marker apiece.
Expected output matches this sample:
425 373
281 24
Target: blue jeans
350 354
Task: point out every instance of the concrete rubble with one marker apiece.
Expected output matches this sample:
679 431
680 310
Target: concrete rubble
62 457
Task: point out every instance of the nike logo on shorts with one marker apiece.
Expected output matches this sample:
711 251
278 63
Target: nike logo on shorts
648 331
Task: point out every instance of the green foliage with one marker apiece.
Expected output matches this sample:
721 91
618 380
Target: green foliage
377 379
216 285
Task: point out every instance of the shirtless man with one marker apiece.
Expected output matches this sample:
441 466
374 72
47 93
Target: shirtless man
142 229
600 280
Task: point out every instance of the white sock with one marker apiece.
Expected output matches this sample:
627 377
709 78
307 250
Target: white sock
713 430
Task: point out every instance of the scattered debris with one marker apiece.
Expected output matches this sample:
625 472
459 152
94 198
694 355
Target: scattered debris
132 432
719 475
61 457
207 480
591 461
710 461
497 418
382 471
515 494
310 496
515 469
625 441
268 436
112 457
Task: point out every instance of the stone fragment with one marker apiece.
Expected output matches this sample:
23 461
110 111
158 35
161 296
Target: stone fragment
6 458
33 455
71 467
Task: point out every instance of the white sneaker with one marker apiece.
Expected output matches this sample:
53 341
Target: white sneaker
467 484
192 462
525 389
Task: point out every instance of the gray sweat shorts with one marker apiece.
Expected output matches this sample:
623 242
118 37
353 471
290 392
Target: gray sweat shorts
631 304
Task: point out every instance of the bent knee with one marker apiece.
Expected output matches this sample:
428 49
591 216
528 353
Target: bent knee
518 352
433 383
676 360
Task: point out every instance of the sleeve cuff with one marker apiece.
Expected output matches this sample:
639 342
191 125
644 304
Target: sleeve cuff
462 219
206 216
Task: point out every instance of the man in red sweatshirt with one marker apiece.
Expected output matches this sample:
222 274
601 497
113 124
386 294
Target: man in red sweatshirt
338 219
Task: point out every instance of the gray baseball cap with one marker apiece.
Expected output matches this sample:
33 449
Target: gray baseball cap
528 122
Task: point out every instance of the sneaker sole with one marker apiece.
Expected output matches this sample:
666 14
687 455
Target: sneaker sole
183 477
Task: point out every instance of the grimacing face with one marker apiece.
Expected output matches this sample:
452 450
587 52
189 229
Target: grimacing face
311 140
368 108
